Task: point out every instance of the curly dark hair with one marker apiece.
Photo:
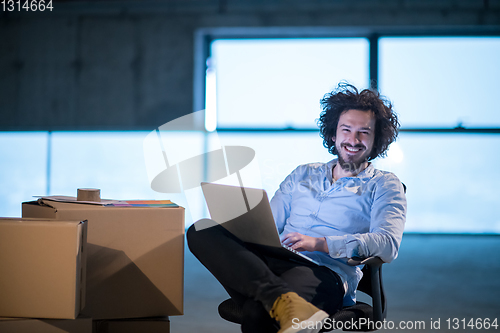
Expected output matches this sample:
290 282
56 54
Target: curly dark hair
347 97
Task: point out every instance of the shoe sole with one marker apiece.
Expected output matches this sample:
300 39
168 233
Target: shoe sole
318 319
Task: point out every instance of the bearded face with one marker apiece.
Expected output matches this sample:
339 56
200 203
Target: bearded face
354 138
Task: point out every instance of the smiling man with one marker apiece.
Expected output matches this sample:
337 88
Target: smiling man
329 211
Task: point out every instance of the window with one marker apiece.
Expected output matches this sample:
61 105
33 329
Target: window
278 83
23 170
58 163
442 82
451 181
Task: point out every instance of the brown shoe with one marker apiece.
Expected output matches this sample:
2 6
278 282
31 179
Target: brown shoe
295 314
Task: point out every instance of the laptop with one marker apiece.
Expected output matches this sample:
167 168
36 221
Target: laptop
246 213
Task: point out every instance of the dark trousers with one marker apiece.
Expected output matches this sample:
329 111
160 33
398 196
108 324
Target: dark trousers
255 279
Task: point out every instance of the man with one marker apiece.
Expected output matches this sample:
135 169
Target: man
329 211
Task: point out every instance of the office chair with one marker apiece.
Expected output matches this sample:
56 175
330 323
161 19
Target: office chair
371 284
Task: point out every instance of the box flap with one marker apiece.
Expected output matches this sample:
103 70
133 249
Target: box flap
37 221
50 200
63 198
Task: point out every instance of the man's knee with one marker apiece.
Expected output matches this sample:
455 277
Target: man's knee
190 233
195 233
192 237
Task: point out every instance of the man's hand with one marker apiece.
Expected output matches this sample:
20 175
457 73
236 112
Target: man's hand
301 242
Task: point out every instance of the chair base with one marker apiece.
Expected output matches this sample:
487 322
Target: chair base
350 319
231 311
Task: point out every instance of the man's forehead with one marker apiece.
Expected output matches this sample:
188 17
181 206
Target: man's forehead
353 117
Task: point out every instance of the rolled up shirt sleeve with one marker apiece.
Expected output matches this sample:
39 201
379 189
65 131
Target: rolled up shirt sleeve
387 219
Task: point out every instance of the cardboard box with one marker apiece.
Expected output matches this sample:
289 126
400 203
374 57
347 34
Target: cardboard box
42 268
141 325
25 325
135 257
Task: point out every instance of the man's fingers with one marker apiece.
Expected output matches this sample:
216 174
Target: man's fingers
291 242
285 239
290 237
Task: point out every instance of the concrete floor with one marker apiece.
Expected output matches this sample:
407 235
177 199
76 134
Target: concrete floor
435 277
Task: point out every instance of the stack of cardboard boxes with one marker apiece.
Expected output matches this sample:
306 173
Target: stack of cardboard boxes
91 268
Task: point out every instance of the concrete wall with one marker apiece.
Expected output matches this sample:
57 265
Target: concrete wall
128 65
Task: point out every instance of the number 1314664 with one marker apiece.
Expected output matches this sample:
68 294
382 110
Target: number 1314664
478 324
26 5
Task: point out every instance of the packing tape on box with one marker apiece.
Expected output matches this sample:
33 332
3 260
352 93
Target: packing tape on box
89 194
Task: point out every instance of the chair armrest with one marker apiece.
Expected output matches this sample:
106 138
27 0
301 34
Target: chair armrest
376 288
371 261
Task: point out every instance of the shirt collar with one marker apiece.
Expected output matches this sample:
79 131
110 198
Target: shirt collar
364 175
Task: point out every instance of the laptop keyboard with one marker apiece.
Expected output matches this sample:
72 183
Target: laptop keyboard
298 253
290 249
